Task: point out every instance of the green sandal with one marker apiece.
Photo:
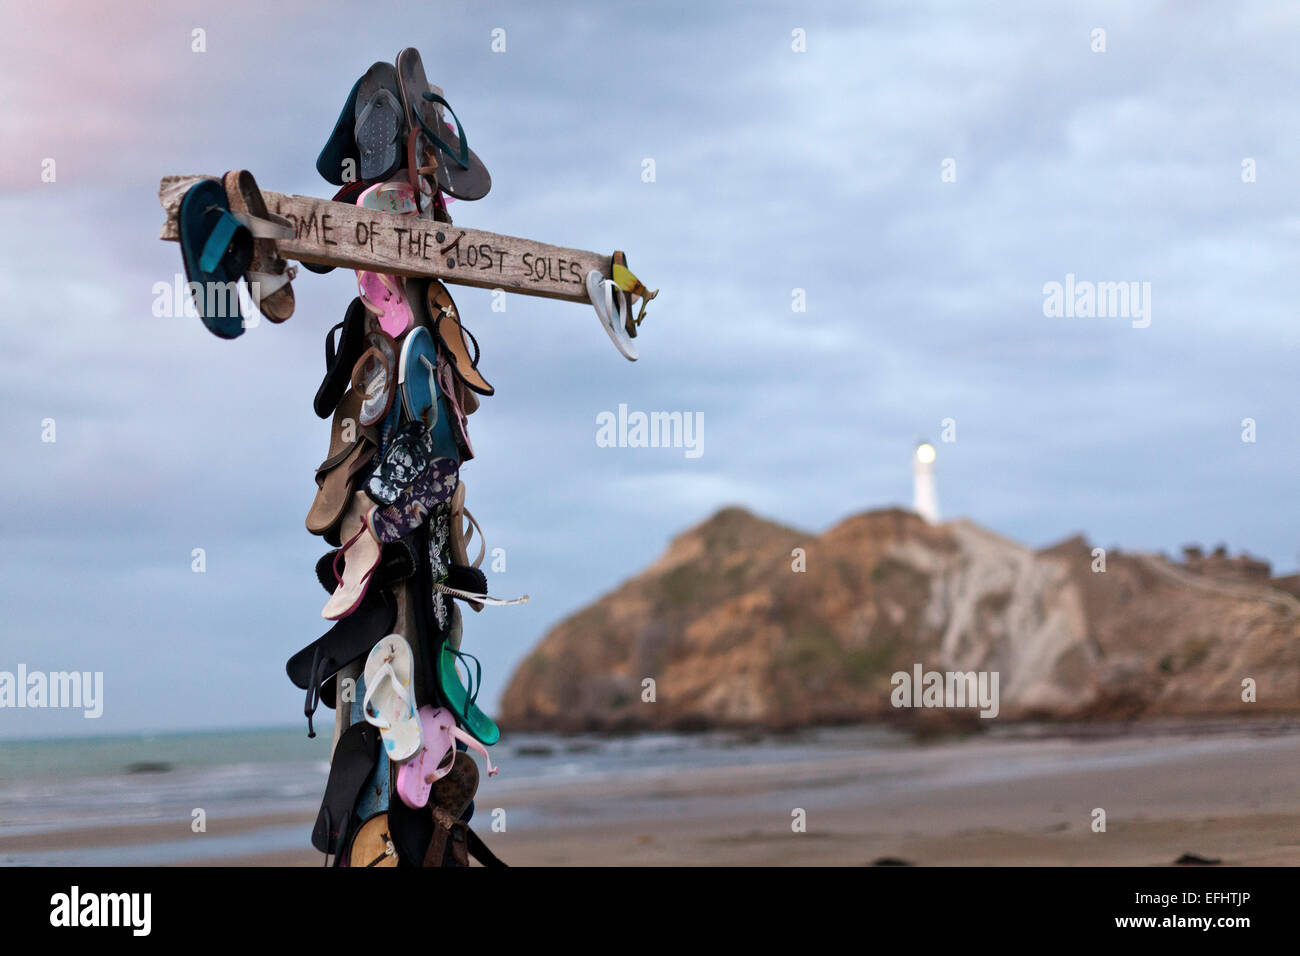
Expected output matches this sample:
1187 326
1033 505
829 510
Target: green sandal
460 699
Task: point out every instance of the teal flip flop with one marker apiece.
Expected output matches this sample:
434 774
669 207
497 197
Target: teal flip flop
460 699
341 147
421 396
217 249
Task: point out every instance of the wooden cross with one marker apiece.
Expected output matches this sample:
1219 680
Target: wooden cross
352 237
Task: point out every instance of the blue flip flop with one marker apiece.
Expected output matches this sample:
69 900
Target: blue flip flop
217 249
421 397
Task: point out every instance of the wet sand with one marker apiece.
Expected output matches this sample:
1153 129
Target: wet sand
1234 797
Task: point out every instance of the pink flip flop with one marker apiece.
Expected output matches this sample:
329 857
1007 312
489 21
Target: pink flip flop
416 777
384 296
360 553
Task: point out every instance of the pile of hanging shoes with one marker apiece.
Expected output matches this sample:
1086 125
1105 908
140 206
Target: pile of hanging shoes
401 380
400 384
393 133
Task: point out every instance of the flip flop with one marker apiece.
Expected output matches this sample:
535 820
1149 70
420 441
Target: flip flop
406 457
268 274
357 468
377 126
416 777
389 702
452 391
458 170
412 509
373 845
395 196
461 699
340 359
341 147
374 377
417 373
611 305
313 668
397 562
362 551
216 248
451 338
335 475
385 296
352 763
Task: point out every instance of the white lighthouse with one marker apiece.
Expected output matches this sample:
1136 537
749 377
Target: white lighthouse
925 500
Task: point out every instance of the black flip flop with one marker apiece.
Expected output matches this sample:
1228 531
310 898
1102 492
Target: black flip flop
378 116
354 761
352 637
341 357
460 173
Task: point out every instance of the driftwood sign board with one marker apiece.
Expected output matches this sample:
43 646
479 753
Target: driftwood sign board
353 237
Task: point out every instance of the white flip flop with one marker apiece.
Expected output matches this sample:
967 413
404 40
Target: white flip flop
611 305
389 703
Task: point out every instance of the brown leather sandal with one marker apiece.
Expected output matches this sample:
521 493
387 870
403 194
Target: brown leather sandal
449 798
268 274
351 446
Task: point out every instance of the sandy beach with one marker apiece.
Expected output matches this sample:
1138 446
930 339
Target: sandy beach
1232 796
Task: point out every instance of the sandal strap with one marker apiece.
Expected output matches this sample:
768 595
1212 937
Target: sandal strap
469 536
469 741
461 158
331 350
472 682
263 284
416 172
478 598
381 95
386 671
219 240
269 226
359 371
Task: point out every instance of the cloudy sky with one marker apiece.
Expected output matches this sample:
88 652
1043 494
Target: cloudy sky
776 170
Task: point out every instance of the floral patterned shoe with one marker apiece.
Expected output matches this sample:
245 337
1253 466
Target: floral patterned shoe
417 503
407 457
